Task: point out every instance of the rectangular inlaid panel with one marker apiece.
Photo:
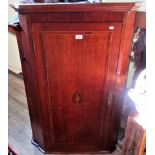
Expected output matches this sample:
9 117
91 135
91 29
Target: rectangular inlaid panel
76 71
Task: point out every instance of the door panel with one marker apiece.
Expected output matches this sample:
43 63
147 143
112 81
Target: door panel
76 70
77 67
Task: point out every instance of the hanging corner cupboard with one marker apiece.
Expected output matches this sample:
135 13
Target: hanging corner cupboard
75 60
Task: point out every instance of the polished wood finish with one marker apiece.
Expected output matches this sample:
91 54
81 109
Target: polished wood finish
135 137
74 67
78 72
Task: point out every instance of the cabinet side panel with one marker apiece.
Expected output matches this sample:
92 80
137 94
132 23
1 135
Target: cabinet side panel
45 100
110 93
30 78
123 62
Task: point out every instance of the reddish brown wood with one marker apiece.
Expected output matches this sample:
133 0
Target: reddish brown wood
135 137
74 72
29 74
125 46
140 19
11 29
74 17
74 86
14 28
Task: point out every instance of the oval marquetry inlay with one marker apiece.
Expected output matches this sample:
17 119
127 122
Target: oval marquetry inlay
76 98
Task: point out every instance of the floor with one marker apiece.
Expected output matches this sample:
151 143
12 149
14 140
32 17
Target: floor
19 131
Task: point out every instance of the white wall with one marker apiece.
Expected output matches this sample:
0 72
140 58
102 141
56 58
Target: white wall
13 53
11 12
140 3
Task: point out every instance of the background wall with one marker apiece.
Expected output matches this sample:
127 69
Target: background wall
13 54
141 3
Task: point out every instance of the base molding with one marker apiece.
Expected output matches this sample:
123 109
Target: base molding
37 145
59 152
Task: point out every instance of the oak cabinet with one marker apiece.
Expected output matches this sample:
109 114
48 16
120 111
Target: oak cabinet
74 60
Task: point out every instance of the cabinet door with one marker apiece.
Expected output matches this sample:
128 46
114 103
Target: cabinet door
77 65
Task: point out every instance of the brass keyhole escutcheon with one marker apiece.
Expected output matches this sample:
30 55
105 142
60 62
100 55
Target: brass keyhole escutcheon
76 98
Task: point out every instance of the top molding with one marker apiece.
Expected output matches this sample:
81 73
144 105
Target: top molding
70 7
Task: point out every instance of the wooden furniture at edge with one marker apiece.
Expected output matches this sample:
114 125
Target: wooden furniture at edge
135 134
74 60
135 137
